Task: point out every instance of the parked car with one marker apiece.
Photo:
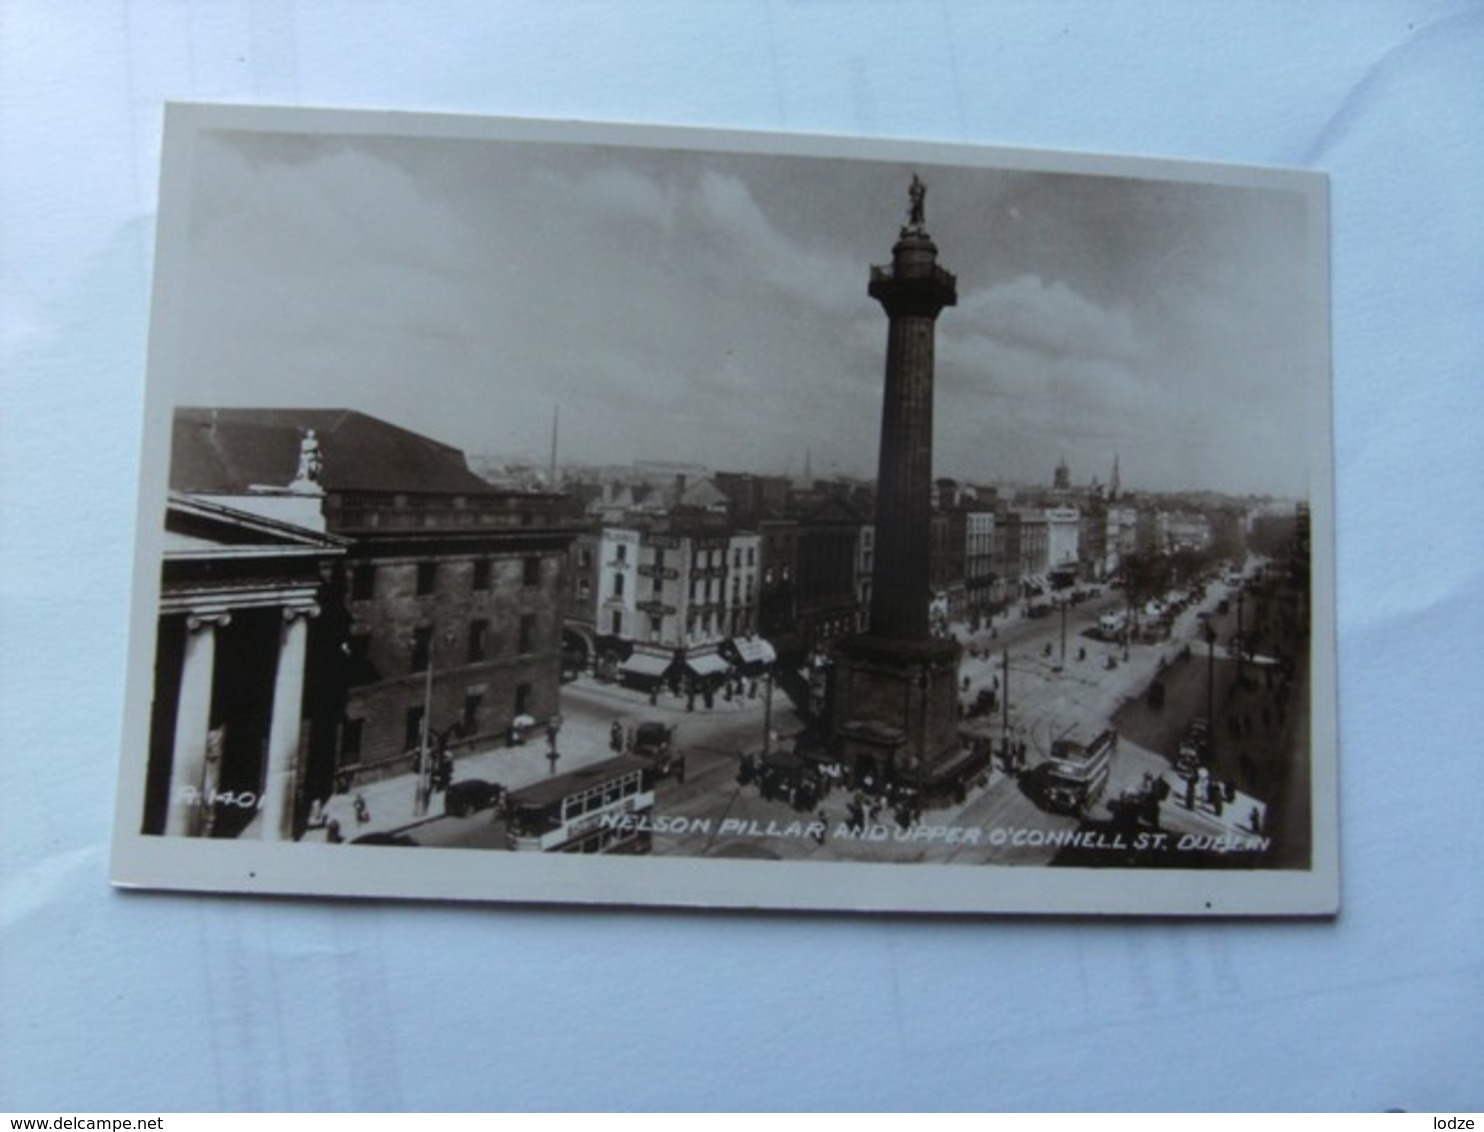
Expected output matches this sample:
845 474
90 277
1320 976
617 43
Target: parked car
655 742
470 796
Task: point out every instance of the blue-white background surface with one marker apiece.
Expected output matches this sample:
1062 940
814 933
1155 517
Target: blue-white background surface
114 1001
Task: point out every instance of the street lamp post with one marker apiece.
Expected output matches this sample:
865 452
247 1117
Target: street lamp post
1241 642
1063 631
423 791
1210 635
1005 706
767 711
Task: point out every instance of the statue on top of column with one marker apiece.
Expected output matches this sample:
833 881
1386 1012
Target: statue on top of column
917 191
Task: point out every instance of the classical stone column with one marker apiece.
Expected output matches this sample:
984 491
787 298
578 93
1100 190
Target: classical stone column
896 704
912 291
280 776
187 813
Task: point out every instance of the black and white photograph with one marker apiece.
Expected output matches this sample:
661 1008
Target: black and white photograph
564 512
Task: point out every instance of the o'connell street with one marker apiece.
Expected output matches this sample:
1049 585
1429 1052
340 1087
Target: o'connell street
718 809
706 505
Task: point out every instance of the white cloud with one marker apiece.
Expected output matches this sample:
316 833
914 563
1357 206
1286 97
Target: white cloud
1051 319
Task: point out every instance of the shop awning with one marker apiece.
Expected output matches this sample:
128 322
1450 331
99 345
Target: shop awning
754 650
645 664
708 664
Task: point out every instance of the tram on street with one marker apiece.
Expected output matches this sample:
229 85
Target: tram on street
605 807
1077 775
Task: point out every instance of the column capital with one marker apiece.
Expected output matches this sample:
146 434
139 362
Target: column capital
196 620
309 611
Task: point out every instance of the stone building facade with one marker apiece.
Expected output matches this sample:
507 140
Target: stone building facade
443 619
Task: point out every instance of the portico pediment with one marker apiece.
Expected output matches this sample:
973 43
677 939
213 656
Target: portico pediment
196 528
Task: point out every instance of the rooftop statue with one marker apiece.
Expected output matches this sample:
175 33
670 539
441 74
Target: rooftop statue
917 192
311 464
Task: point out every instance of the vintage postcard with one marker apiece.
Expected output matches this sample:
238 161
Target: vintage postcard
581 513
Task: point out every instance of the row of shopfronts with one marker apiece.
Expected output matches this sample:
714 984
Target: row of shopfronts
700 670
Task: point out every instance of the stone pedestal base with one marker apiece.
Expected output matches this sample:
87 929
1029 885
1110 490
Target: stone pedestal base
896 711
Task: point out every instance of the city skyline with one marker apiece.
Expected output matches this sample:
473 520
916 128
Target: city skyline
712 307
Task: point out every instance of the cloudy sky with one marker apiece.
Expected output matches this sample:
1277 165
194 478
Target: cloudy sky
712 307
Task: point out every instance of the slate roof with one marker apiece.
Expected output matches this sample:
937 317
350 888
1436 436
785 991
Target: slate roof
228 451
704 494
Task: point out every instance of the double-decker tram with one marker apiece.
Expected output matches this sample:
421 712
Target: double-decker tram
604 807
1076 775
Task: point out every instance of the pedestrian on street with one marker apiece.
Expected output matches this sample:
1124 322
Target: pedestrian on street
363 811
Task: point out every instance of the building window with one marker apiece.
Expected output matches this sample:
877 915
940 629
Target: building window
523 699
359 667
623 553
585 559
618 585
472 706
655 624
363 583
659 585
584 587
427 578
531 572
422 646
659 560
482 574
477 630
750 552
412 735
527 633
616 623
350 739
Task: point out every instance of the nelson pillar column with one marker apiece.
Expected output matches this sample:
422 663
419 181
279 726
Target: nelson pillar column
896 700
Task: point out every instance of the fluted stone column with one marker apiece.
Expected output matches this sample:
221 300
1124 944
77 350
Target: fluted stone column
187 813
895 694
280 776
912 291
